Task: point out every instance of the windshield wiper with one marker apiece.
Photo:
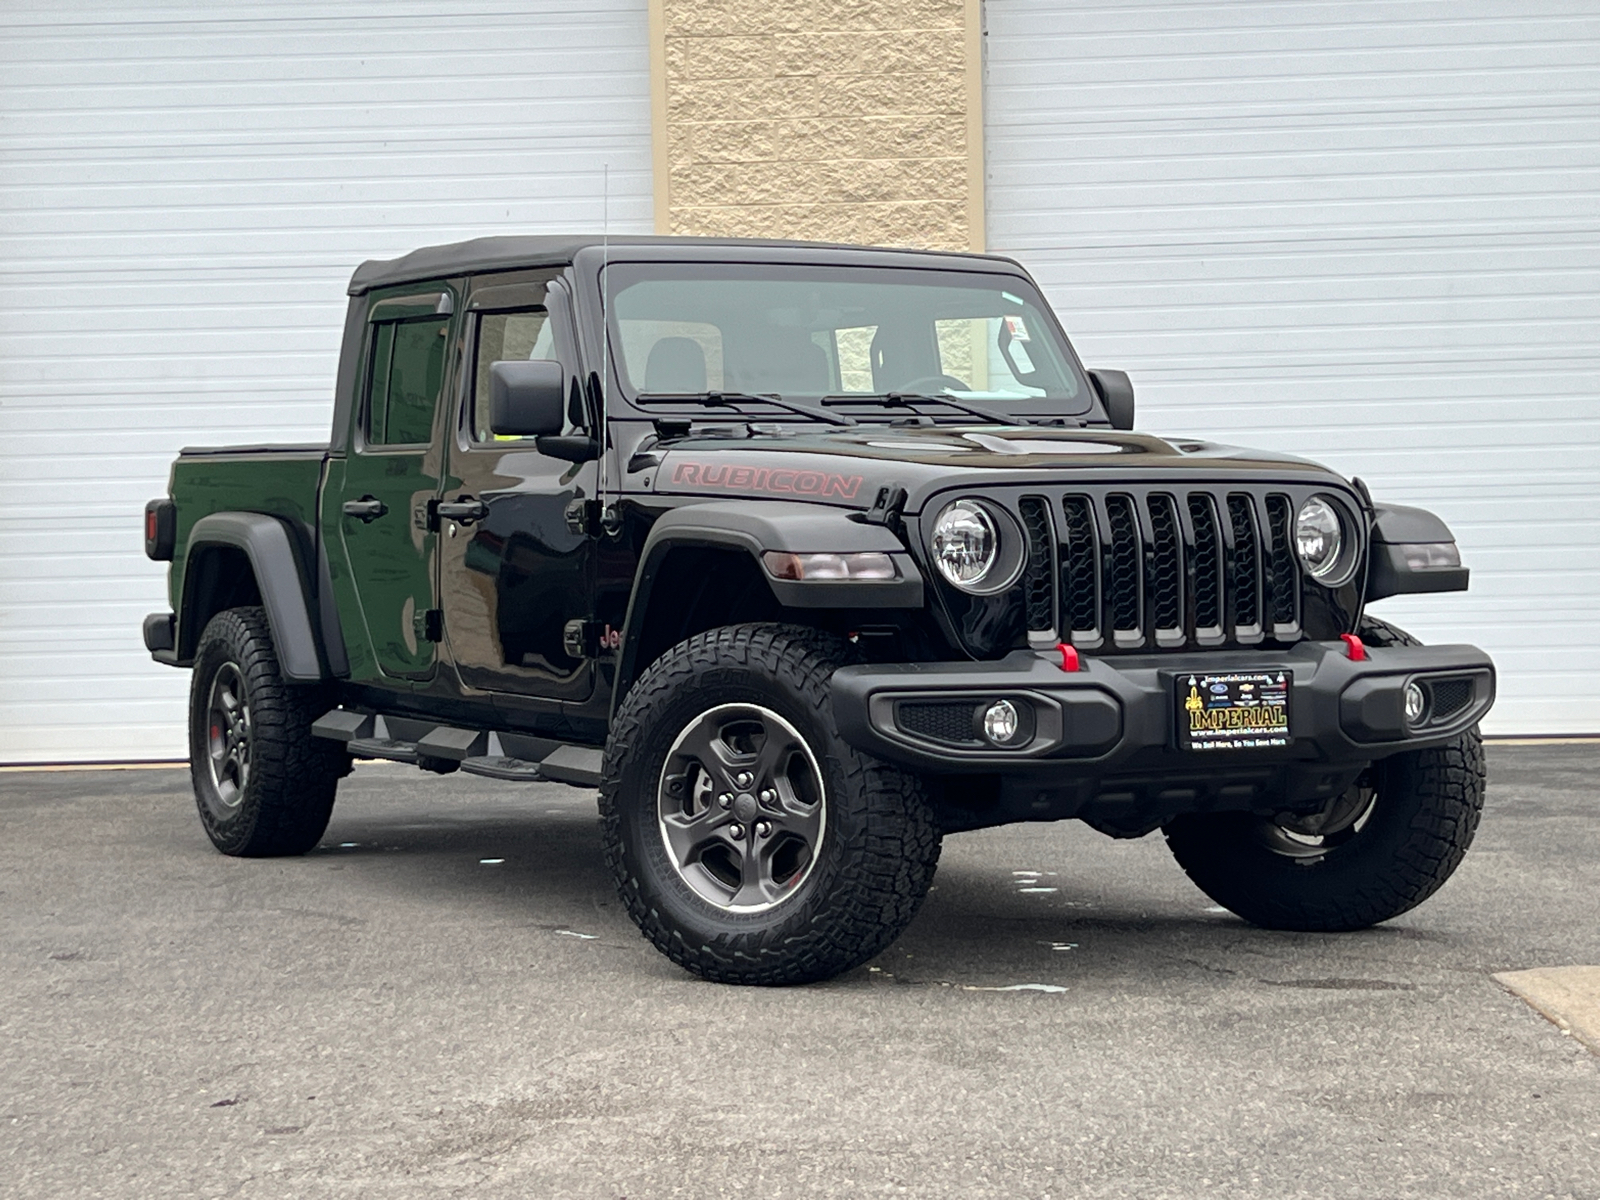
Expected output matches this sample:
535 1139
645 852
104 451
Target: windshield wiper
729 399
911 399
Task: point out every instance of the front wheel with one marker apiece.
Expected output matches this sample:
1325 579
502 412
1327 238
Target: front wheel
1379 850
750 843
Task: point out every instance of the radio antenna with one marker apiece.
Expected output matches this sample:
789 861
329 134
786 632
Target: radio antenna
605 331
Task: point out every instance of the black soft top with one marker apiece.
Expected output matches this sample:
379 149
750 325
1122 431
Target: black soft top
512 253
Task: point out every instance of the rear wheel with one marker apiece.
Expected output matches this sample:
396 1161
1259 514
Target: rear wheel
750 843
1379 850
264 786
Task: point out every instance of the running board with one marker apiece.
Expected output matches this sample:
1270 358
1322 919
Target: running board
444 748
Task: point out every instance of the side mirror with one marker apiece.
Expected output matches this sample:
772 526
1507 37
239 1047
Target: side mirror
1116 393
527 398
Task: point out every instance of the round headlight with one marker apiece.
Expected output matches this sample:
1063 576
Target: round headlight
1319 538
965 544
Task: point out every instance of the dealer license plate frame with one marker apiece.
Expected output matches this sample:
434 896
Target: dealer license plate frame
1258 696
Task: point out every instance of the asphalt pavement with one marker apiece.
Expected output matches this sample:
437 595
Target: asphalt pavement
446 999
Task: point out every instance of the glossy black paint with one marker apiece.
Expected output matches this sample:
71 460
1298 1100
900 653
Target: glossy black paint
535 589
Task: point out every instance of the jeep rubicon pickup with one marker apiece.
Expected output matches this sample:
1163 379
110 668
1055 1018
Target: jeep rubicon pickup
807 556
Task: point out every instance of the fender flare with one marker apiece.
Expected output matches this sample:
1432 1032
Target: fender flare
280 577
755 529
1394 527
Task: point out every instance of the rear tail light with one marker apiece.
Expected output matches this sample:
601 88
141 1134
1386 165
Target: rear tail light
160 529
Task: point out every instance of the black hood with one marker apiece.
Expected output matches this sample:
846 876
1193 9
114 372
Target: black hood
846 467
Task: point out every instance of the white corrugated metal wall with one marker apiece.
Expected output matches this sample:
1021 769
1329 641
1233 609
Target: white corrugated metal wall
1364 232
184 190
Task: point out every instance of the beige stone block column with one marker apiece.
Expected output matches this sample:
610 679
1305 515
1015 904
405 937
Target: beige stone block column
831 120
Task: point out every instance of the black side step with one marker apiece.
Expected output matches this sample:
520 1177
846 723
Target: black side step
444 748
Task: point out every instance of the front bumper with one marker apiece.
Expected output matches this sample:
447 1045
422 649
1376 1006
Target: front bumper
1104 736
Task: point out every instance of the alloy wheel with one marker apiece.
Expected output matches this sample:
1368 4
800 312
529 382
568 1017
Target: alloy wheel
228 735
740 806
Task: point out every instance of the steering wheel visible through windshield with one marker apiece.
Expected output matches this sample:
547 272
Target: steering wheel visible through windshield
841 333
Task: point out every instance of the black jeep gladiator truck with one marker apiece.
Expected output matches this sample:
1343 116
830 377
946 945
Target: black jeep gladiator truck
807 556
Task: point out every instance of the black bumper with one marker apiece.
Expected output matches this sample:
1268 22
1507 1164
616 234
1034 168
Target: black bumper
1103 738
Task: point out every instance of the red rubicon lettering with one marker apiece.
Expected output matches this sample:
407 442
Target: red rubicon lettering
781 481
845 486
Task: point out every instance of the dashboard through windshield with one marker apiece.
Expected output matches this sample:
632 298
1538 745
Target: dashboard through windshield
841 333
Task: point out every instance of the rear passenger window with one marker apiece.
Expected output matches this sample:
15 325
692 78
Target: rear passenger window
407 377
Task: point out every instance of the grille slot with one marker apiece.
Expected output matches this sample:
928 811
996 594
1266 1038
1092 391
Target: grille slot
1207 567
1246 574
1123 585
1450 696
1165 573
1283 577
1080 573
1037 579
939 721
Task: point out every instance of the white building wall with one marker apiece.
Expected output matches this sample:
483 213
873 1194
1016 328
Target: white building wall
184 191
1368 233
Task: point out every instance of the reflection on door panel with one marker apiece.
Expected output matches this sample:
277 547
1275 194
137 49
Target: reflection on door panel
524 573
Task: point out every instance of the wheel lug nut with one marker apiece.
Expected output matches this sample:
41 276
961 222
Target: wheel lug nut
726 800
743 778
768 795
737 833
763 828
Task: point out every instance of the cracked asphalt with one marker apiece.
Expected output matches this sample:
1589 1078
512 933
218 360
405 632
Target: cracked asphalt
446 999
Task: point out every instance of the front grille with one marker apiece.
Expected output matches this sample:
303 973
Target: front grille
939 721
1165 568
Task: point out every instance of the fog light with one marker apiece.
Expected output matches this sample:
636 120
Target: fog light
1416 703
1001 722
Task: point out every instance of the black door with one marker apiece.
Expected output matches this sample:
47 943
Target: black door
516 561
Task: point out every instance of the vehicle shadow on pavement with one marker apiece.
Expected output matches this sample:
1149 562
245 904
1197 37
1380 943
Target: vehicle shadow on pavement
982 927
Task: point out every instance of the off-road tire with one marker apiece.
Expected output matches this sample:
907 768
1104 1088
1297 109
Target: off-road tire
1422 820
284 805
879 847
1377 632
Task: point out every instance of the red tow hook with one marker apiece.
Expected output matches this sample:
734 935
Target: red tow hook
1353 647
1069 657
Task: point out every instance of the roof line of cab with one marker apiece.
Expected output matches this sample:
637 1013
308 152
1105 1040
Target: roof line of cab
513 253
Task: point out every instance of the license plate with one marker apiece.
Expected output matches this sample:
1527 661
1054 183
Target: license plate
1233 712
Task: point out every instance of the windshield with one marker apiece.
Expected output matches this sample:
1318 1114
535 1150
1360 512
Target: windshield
807 332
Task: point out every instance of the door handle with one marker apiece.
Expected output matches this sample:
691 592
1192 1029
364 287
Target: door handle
366 508
465 510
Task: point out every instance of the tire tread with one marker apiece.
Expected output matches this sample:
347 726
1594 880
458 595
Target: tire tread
884 875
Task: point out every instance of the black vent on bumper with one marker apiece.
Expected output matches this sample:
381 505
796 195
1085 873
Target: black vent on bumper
940 721
1450 696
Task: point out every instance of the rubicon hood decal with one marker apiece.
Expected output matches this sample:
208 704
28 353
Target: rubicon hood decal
778 481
